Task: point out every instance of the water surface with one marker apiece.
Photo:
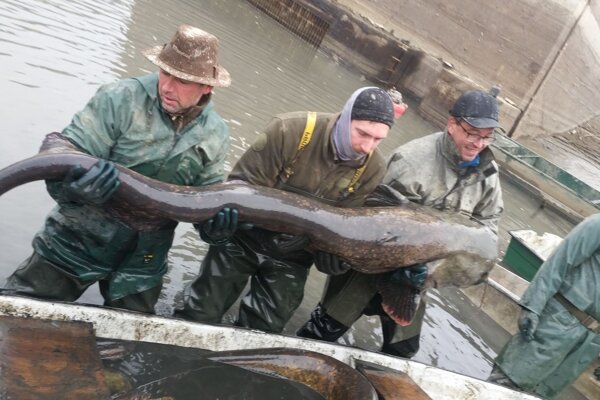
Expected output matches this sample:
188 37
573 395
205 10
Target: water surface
55 54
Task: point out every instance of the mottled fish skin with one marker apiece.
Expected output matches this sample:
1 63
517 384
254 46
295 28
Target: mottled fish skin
371 239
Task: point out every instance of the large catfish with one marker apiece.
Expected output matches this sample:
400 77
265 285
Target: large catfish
371 239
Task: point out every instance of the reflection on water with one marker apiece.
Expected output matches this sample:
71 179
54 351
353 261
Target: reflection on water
138 370
54 55
448 340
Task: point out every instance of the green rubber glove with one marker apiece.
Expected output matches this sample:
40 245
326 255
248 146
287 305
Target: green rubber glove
330 264
528 323
414 275
221 228
93 186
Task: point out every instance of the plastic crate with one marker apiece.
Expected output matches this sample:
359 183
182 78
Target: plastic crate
521 260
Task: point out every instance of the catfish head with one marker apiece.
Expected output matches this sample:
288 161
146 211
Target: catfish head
458 270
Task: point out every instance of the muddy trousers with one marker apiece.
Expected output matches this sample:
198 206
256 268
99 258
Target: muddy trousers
276 288
38 277
349 296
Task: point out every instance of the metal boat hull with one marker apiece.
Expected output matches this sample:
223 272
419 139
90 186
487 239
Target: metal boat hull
126 325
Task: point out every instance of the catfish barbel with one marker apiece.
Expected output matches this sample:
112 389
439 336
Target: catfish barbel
371 239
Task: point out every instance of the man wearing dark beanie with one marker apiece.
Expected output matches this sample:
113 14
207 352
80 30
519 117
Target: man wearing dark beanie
452 171
373 104
330 157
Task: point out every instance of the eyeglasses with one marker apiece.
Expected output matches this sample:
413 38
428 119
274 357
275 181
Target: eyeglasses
474 137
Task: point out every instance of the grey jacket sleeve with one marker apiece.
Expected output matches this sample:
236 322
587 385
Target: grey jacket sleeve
490 207
577 247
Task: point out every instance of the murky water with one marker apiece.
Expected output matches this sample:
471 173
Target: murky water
139 370
54 55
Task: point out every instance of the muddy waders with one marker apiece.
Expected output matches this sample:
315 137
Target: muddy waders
355 294
39 277
276 285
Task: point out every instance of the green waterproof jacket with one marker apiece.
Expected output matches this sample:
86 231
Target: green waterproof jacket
125 123
562 347
427 172
274 160
573 270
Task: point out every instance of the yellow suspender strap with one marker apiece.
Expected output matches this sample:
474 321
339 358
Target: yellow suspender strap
311 119
357 174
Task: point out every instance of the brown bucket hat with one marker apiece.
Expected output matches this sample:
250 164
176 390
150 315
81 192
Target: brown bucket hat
192 56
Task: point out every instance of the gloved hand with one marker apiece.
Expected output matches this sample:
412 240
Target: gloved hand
93 186
597 373
220 229
284 243
386 196
528 323
330 263
414 275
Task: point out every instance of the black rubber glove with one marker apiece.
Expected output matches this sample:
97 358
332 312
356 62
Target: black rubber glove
221 228
93 186
597 373
284 243
386 196
414 275
528 323
330 263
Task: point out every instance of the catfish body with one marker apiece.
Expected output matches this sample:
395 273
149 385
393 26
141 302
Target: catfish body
371 239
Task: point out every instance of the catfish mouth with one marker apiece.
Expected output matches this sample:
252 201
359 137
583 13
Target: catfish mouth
458 270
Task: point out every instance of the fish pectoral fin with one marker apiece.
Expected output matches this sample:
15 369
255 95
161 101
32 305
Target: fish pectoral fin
399 300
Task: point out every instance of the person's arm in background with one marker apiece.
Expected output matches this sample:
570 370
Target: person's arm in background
578 246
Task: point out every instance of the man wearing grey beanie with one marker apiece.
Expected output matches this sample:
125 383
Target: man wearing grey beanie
330 157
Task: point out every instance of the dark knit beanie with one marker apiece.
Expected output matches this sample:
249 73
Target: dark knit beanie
374 104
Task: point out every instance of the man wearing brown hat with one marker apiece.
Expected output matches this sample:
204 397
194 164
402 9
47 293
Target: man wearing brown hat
330 157
161 125
452 171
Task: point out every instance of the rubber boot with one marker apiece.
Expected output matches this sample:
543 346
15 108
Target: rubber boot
141 302
321 326
406 348
498 377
